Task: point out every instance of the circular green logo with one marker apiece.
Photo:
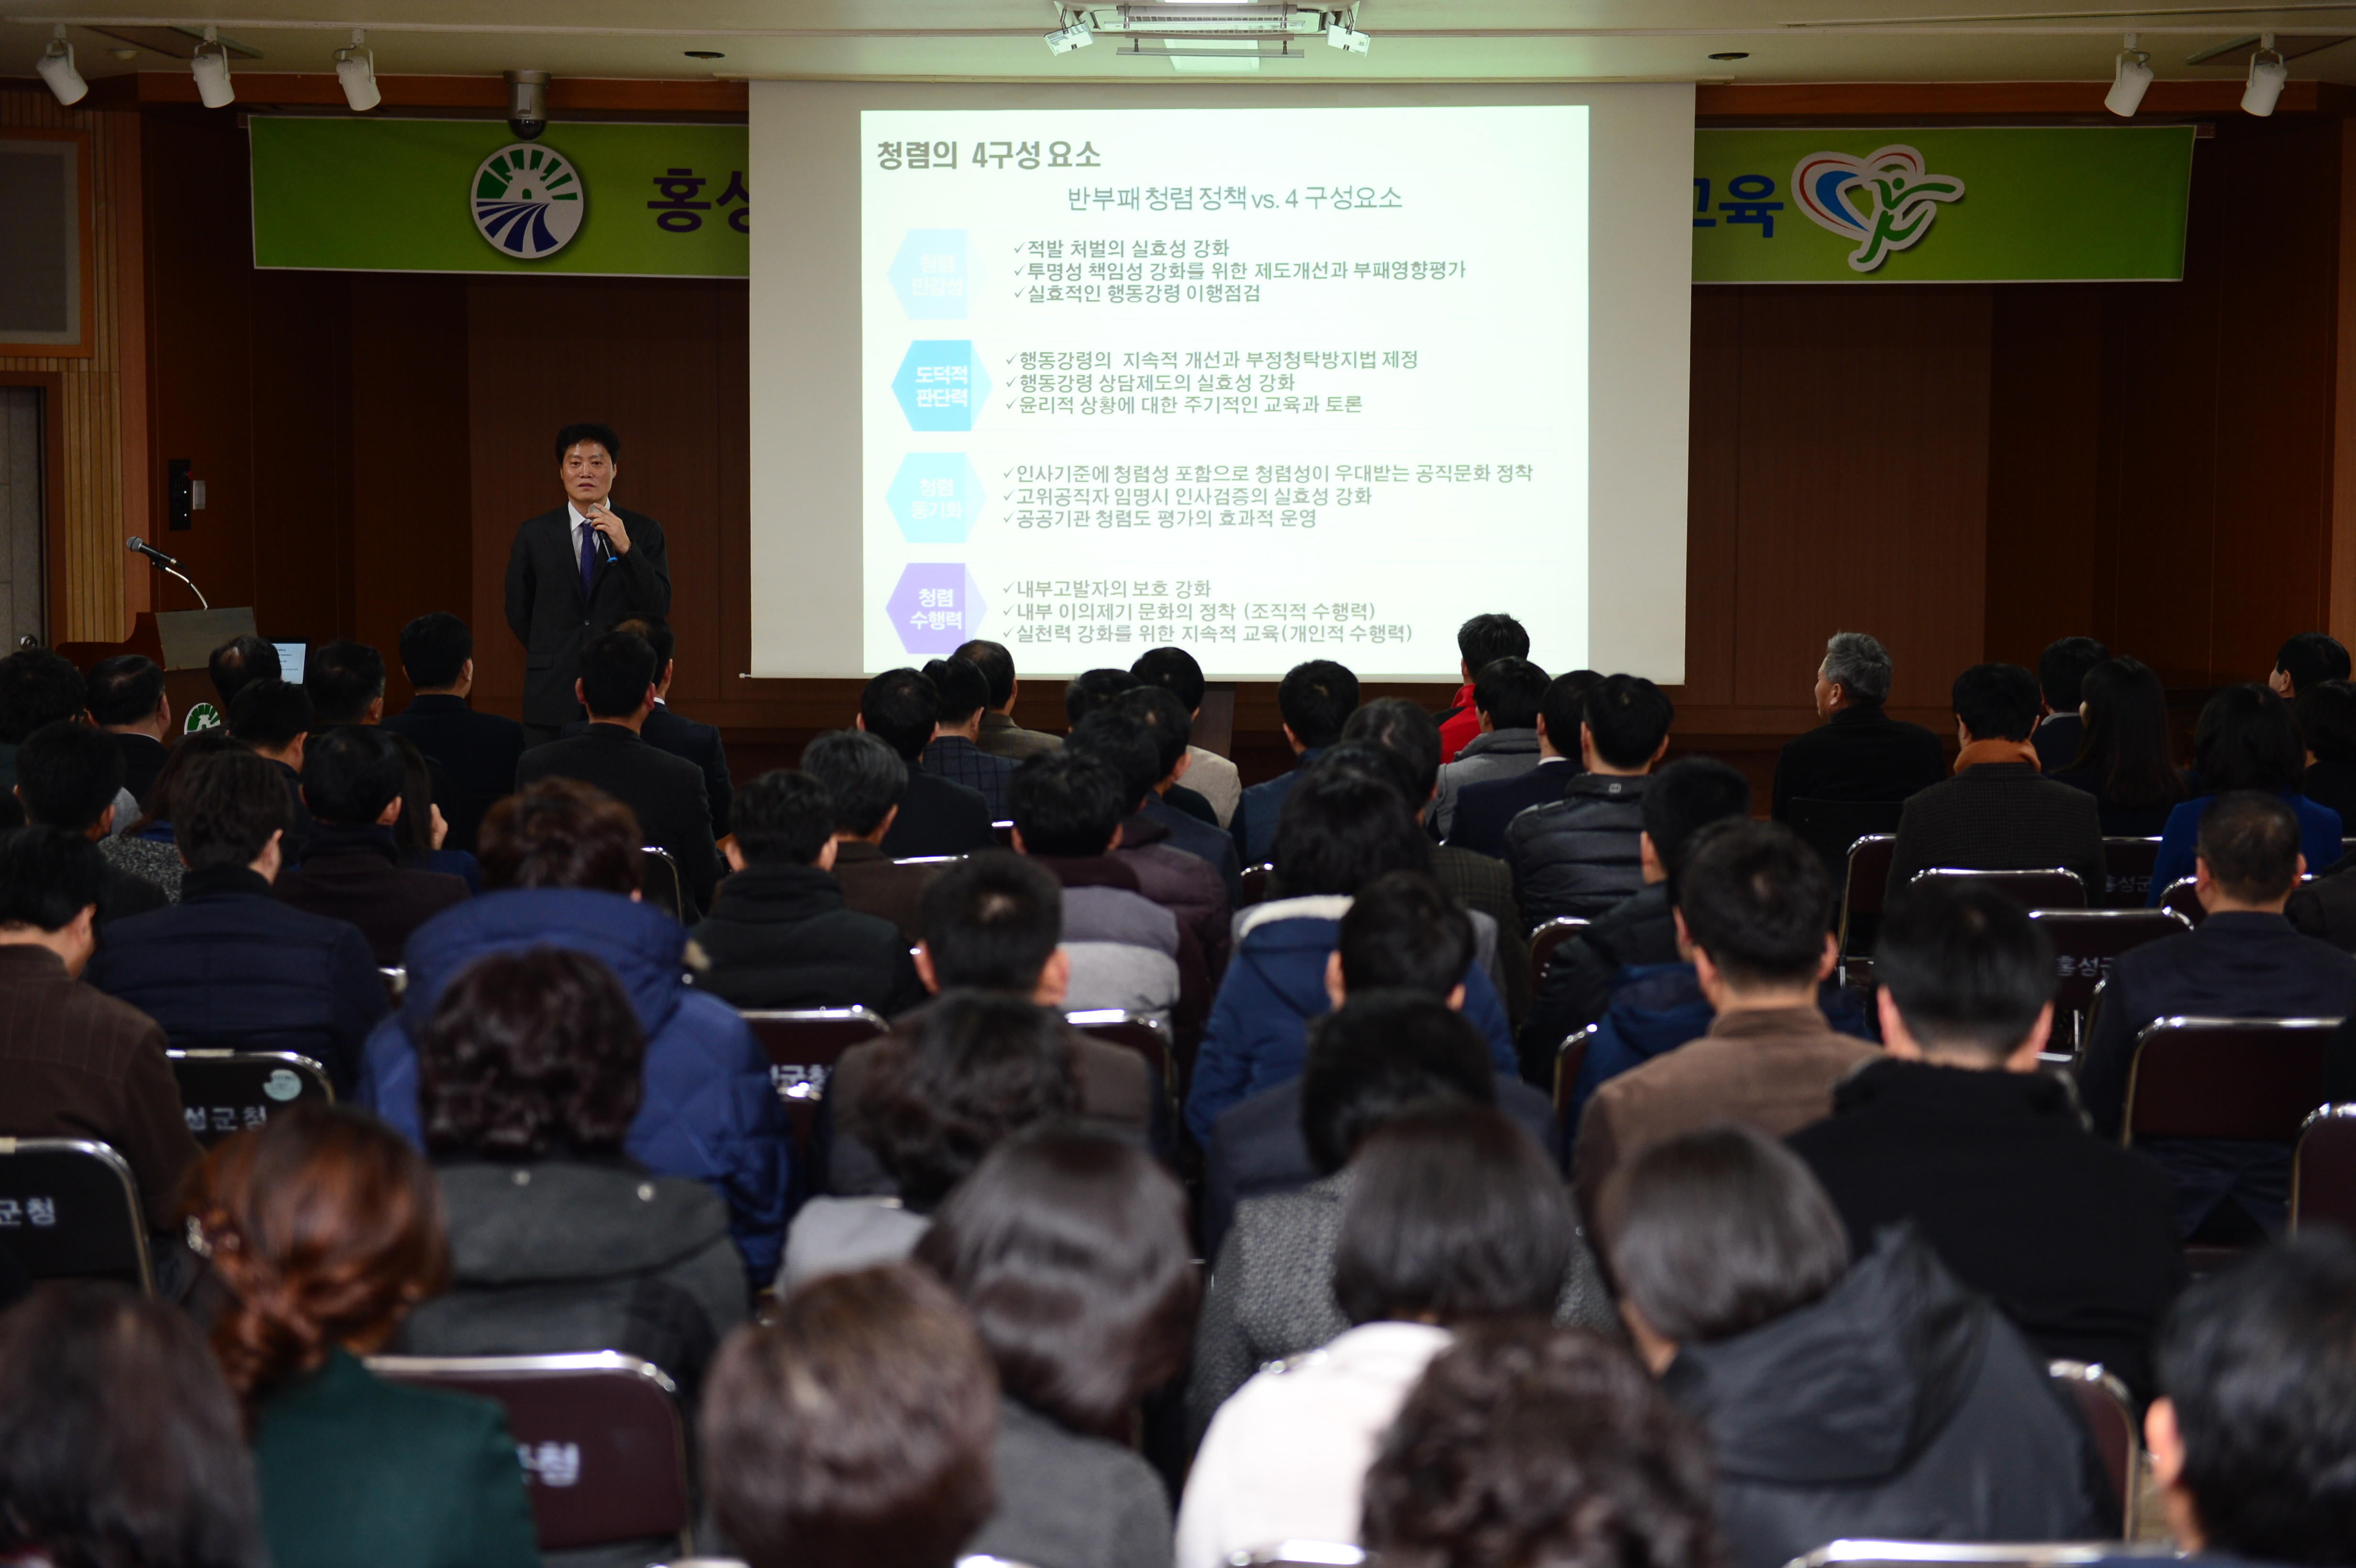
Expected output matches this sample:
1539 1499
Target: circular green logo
528 200
202 716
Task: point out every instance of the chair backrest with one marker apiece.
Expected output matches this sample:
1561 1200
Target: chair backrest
69 1209
2110 1414
1552 935
1256 881
2087 942
396 983
1569 1057
1832 827
222 1091
802 1048
1140 1032
2126 871
2030 887
1004 833
1862 887
2183 896
2225 1078
1304 1554
663 884
2323 1171
599 1435
1976 1554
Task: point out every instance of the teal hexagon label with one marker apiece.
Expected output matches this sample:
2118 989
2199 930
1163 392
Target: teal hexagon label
936 497
929 274
941 384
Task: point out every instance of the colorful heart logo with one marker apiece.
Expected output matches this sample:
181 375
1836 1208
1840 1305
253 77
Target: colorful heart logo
1885 201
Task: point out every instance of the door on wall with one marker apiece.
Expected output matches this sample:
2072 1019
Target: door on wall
22 575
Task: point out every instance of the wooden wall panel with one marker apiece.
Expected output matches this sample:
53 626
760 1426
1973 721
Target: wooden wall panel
1713 498
2045 384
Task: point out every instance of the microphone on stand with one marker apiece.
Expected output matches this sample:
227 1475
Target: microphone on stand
170 564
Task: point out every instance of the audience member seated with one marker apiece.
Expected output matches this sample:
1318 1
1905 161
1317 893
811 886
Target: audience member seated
955 753
1069 1250
1402 932
854 1429
2308 658
146 849
779 934
562 866
926 1105
1451 1217
664 793
1342 827
1186 885
37 689
1313 700
1484 809
529 1075
1480 643
2125 757
1753 909
1000 735
937 816
2243 961
1578 856
2247 740
1878 1400
74 1062
353 783
668 731
1681 800
1093 691
2252 1439
1376 1055
1216 783
476 752
237 663
2326 712
1860 753
229 966
2061 688
128 703
325 1229
68 777
1170 728
1997 813
1125 949
119 1442
1957 1130
1506 698
1527 1444
345 680
420 835
867 780
272 719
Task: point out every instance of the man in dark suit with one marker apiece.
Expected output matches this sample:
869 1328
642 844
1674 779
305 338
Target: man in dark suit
1313 701
902 708
275 718
1484 809
575 572
866 780
476 752
345 680
1172 726
665 793
956 753
2060 680
1862 755
127 701
668 731
1997 813
352 778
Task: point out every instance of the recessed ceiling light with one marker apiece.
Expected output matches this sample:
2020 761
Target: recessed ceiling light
705 55
1733 55
124 54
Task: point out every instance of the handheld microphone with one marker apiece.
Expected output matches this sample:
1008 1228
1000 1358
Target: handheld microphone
138 546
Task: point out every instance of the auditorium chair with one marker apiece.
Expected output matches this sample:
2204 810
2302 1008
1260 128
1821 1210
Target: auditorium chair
1569 1057
598 1432
1862 887
1976 1554
2126 871
223 1090
2225 1078
2085 943
2110 1414
662 883
1549 937
1140 1032
1255 884
1301 1554
1832 827
2323 1171
803 1047
2041 887
2185 900
1004 833
396 983
69 1209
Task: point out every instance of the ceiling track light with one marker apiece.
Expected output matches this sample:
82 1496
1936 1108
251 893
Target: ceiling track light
57 68
356 71
2129 79
211 71
1222 19
1076 33
2267 78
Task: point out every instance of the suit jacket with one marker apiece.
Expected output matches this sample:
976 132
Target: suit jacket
553 620
873 883
937 817
1199 839
476 752
2057 739
666 794
1257 809
1486 806
143 759
1998 816
354 874
698 743
1002 737
960 761
1860 753
1485 883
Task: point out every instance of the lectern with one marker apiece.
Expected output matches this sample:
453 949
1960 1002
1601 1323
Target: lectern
182 641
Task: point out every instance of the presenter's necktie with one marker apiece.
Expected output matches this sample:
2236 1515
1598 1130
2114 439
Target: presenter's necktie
588 560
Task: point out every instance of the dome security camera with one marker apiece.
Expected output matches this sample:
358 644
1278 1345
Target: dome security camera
527 103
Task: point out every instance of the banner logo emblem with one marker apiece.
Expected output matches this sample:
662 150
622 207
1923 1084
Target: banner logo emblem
528 201
1885 201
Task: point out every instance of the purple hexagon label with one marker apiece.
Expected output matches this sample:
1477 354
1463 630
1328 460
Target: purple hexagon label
935 608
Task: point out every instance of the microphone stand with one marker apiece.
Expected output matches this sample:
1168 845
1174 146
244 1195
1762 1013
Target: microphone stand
176 572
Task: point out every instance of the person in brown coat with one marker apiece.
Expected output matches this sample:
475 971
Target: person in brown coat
75 1062
352 781
1753 908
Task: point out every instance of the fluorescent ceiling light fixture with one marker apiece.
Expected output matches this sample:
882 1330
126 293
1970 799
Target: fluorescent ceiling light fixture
57 68
2130 78
2268 72
211 71
1175 21
356 70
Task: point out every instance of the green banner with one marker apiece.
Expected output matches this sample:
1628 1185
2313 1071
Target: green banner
466 196
1979 205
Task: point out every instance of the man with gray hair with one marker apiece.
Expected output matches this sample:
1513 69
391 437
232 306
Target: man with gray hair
1860 753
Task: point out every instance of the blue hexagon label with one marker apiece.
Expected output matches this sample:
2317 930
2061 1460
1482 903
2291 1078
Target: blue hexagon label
936 497
935 608
929 274
941 384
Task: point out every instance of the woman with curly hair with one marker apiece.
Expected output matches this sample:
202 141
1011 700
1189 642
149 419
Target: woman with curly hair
326 1228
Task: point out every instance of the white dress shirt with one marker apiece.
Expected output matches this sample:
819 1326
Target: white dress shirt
582 525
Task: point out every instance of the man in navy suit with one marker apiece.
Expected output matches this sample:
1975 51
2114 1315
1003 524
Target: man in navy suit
576 570
668 731
476 751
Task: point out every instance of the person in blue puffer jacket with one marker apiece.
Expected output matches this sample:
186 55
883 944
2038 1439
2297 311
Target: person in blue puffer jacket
562 864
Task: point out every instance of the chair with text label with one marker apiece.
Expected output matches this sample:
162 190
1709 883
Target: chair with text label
2039 887
2254 1079
1140 1032
2323 1171
2126 871
1549 937
2183 896
802 1047
2110 1414
69 1209
1832 827
223 1090
2087 942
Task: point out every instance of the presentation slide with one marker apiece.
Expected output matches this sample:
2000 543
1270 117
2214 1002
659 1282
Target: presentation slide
1247 380
1268 380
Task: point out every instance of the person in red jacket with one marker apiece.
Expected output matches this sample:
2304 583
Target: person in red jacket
1478 641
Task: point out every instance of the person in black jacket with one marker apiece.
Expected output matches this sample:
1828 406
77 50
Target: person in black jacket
353 780
779 935
1957 1130
229 966
127 701
903 710
1880 1400
2061 671
476 752
275 718
1860 753
1578 856
669 731
665 793
2327 720
68 775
